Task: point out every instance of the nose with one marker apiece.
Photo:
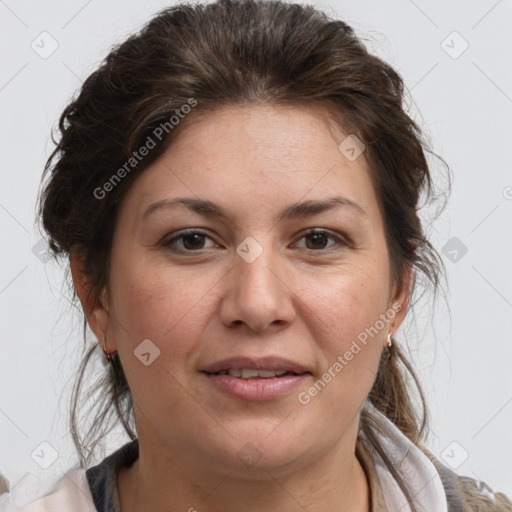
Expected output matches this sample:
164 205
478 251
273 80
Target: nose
258 294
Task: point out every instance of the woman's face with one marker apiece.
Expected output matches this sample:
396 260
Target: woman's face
253 284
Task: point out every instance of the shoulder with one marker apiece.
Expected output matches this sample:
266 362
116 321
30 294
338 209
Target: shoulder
427 477
70 493
79 490
468 494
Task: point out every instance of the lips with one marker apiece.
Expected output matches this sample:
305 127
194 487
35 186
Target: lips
246 373
266 367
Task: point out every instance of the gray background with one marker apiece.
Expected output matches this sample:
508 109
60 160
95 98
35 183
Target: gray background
463 101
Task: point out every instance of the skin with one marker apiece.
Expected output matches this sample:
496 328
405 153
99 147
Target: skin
303 298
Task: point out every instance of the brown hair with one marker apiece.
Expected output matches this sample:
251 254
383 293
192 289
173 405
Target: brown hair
235 53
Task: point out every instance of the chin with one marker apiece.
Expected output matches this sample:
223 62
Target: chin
263 448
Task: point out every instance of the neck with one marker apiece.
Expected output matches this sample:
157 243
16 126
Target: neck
333 482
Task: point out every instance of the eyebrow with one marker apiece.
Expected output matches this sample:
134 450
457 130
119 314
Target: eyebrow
208 208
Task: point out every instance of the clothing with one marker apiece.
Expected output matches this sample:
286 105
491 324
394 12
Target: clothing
377 500
433 486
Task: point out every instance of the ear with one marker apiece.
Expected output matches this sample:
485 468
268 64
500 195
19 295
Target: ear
95 310
402 297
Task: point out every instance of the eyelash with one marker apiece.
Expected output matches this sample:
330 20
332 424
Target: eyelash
339 240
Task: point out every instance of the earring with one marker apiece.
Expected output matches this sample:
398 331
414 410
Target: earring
107 355
389 340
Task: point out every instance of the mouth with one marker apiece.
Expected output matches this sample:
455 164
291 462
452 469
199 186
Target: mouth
246 367
256 379
248 373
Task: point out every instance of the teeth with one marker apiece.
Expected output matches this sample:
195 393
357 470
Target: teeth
266 373
248 374
251 374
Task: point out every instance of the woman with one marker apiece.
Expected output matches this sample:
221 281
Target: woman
237 189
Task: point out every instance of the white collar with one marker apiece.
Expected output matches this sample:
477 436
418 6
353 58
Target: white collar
419 474
44 494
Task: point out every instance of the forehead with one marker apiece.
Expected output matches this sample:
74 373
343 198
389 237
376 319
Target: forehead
256 159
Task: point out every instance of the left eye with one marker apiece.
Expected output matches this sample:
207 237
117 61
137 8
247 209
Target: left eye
194 240
319 237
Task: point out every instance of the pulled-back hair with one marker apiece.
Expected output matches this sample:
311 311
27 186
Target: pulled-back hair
230 53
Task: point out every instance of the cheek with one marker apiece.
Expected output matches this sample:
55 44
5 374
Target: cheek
347 302
167 306
167 309
346 322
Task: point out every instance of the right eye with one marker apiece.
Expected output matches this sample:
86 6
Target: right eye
191 241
